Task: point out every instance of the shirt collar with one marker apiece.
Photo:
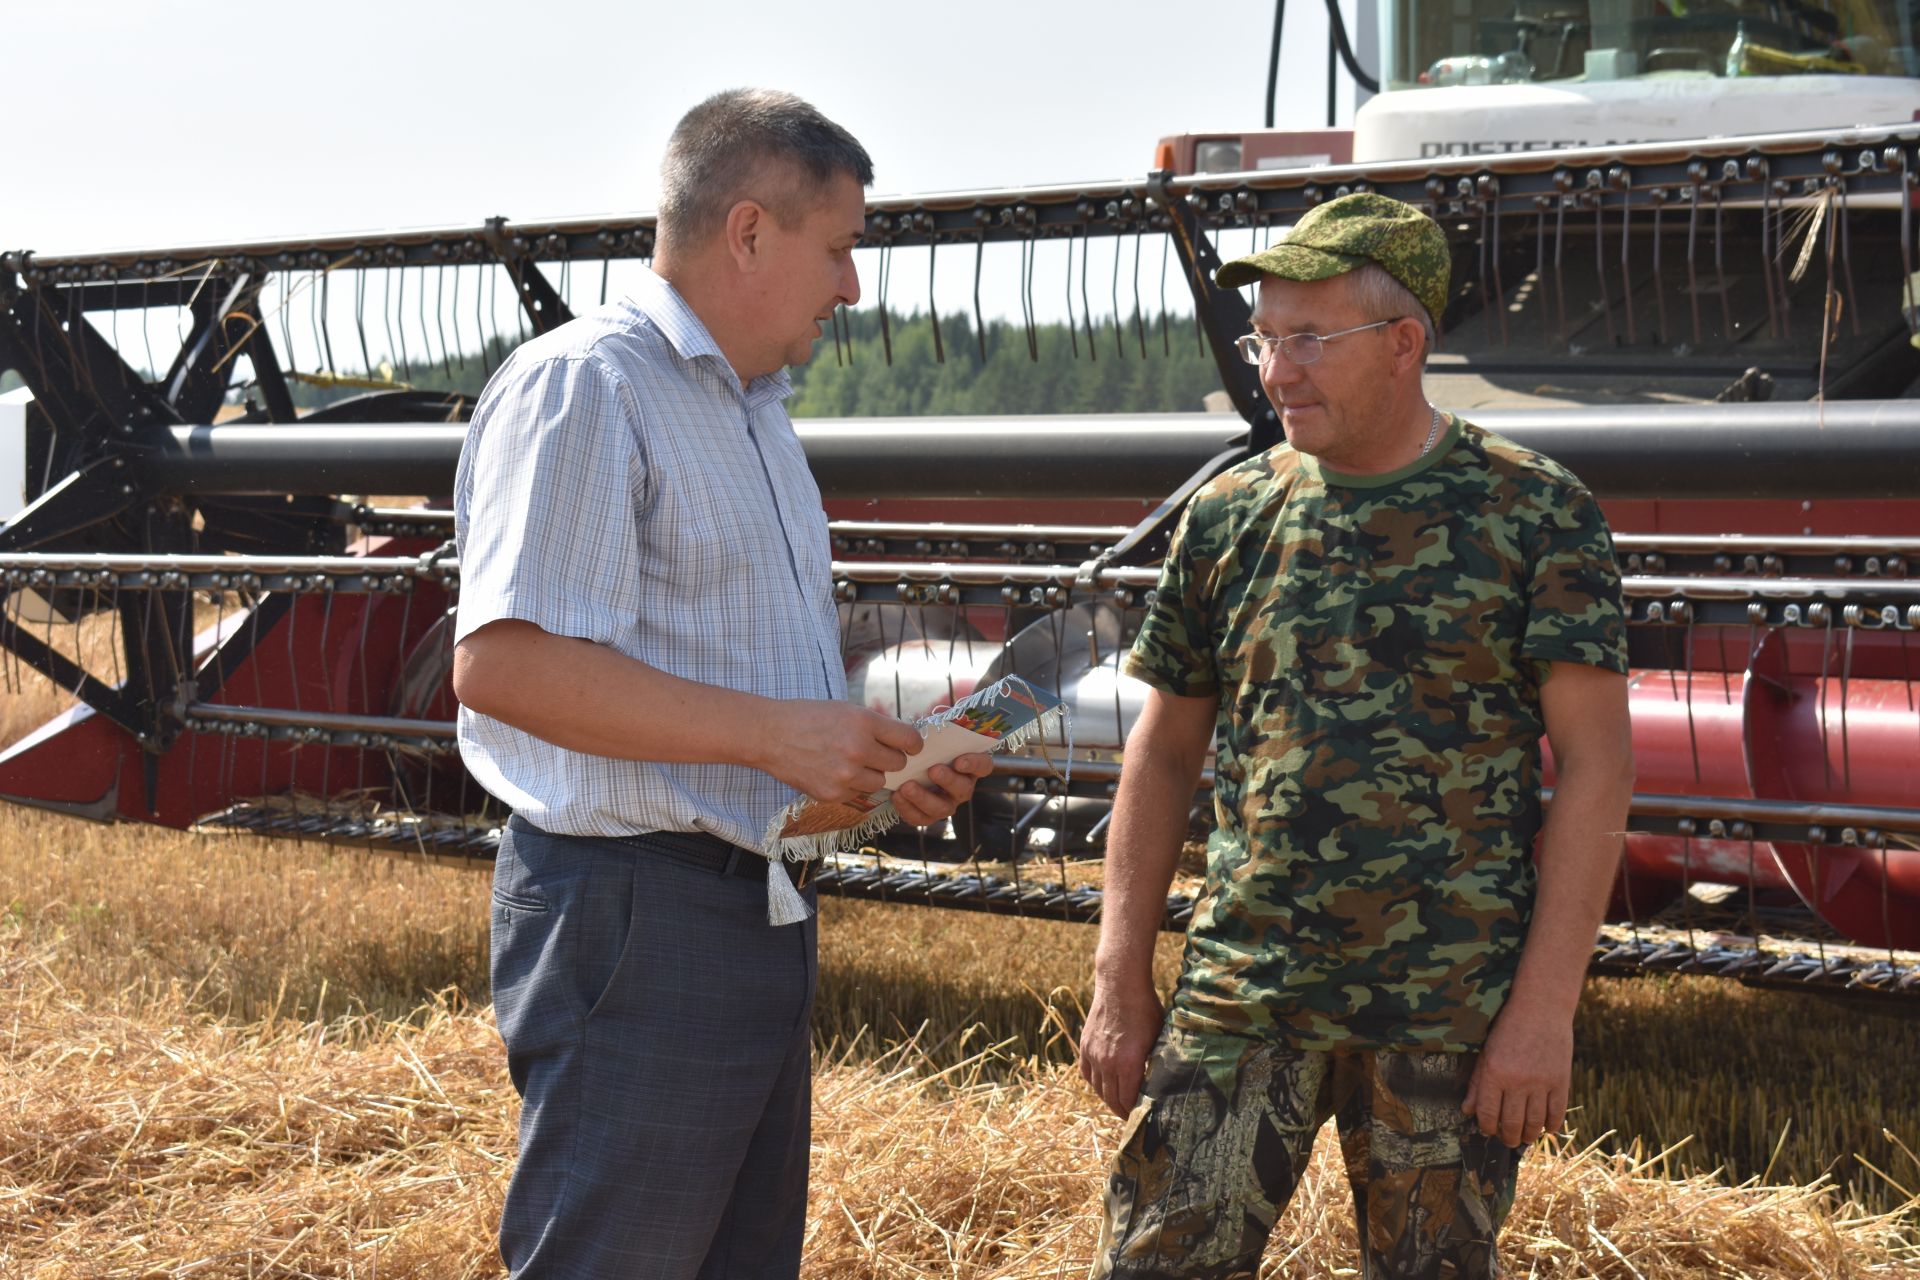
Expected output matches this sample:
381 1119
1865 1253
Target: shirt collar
656 299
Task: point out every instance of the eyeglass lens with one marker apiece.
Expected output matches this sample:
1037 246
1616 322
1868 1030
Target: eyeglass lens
1301 348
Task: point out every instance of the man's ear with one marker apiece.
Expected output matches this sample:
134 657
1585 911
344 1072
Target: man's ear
744 223
1409 343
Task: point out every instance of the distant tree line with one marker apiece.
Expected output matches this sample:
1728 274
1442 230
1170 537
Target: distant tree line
1064 371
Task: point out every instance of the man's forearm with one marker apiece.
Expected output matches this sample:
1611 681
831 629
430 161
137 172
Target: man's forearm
1579 856
1143 848
588 698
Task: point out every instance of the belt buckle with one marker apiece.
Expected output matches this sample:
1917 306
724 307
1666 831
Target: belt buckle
800 870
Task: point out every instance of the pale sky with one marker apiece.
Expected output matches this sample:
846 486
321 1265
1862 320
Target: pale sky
195 121
191 120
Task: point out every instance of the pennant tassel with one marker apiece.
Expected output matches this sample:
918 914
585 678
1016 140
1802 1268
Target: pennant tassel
784 903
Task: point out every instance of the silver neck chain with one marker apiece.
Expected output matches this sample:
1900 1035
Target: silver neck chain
1433 433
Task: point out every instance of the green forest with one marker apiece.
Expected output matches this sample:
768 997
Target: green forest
1061 371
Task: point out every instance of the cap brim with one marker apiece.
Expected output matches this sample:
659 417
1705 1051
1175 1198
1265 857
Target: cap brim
1286 262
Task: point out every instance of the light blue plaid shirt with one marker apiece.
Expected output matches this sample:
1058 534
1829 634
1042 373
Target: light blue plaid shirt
619 485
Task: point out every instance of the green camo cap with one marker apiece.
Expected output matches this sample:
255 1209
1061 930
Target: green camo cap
1341 234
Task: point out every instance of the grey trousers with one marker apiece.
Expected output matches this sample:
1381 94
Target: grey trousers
657 1029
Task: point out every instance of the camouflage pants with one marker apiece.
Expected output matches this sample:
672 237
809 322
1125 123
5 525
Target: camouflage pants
1223 1130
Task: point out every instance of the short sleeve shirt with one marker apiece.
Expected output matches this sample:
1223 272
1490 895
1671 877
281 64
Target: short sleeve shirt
1376 644
618 484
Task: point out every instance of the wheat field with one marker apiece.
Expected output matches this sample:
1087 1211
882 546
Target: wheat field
234 1057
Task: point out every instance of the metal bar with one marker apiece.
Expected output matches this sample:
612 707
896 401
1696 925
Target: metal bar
977 532
1796 156
1749 588
193 566
1865 450
329 721
1782 544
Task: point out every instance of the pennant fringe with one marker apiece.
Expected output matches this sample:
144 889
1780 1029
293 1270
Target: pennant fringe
789 907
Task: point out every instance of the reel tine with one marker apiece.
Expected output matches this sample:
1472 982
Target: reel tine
1778 259
326 329
1119 346
1693 735
1663 334
1139 317
1886 901
285 310
1600 267
1686 891
1559 267
455 305
1086 307
1846 253
933 302
314 285
440 317
1826 668
1726 672
253 625
1166 337
1073 328
885 274
360 320
393 356
400 320
1719 263
1488 303
491 339
1693 273
1029 251
899 646
979 321
1499 283
113 336
1775 328
1539 250
294 667
1906 244
426 334
367 605
1846 680
146 327
1626 265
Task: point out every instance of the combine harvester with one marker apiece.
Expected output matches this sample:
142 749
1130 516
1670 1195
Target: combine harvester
1716 333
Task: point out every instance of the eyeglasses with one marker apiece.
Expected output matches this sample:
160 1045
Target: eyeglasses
1301 348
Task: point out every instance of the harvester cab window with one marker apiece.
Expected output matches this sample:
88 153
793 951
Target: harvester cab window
1487 42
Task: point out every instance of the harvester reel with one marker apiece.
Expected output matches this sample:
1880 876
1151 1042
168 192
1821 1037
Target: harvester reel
270 676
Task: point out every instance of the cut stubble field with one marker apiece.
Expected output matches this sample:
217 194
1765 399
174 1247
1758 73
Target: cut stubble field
233 1057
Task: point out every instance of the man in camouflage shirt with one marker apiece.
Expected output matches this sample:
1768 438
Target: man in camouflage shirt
1379 619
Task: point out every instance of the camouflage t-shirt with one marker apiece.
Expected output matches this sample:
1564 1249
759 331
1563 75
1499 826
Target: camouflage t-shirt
1377 645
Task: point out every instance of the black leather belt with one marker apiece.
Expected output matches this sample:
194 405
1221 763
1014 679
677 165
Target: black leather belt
696 848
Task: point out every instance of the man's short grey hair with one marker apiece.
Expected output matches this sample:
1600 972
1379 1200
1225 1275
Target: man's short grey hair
1382 297
759 144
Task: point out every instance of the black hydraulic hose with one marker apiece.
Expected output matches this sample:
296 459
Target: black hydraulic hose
1339 25
1273 58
